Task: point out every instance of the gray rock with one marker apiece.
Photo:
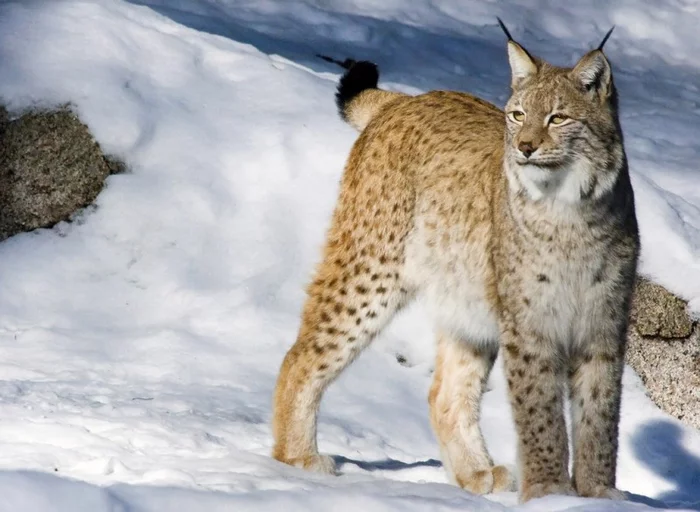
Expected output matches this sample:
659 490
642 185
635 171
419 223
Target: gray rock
663 347
50 167
670 371
656 312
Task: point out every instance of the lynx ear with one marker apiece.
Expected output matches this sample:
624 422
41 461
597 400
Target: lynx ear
522 65
593 73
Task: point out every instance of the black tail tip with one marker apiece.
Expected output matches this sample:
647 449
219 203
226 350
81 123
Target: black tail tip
359 77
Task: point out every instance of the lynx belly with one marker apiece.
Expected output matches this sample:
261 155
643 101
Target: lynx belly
450 276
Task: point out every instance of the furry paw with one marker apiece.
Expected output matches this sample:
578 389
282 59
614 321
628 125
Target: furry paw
476 482
503 479
532 491
601 491
318 463
496 479
323 464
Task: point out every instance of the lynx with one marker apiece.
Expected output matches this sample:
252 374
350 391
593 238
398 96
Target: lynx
518 230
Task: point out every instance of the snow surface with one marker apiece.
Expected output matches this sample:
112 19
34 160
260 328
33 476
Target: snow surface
140 343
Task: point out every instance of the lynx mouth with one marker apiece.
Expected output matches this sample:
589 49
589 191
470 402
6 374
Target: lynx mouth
551 165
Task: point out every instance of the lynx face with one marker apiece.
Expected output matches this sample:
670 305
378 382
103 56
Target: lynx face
562 121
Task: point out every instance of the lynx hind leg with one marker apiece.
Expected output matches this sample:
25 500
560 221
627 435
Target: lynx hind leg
461 372
341 317
358 288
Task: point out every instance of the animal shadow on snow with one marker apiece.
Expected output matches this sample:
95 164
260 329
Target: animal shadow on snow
398 48
657 445
393 45
385 465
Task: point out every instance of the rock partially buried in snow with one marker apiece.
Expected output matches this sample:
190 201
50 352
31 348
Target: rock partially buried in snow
656 312
50 167
670 371
663 347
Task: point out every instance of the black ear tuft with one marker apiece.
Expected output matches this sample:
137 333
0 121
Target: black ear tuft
360 76
505 30
605 39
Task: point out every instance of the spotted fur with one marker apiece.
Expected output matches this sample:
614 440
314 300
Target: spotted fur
518 229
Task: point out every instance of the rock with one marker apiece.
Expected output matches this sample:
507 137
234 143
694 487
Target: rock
656 312
50 167
663 347
670 371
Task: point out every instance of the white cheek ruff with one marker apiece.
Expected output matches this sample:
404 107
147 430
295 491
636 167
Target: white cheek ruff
567 185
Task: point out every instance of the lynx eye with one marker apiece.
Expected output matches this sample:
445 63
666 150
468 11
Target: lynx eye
517 116
557 119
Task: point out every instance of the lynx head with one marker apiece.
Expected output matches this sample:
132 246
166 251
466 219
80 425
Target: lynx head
562 132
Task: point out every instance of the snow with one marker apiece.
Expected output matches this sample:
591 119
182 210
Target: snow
139 344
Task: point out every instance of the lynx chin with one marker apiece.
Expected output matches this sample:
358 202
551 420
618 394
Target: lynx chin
517 229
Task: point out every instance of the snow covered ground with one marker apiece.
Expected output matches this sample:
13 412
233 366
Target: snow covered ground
139 344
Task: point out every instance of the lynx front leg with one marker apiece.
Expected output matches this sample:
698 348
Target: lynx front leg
595 406
461 372
536 381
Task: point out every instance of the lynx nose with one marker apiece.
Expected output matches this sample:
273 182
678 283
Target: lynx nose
527 148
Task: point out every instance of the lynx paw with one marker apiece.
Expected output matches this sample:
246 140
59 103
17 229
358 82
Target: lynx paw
600 491
323 464
496 479
477 482
503 479
532 491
